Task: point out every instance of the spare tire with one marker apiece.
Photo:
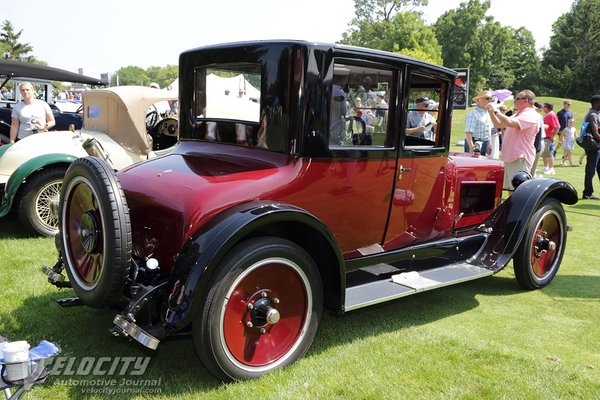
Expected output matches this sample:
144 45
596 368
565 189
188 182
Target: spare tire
95 232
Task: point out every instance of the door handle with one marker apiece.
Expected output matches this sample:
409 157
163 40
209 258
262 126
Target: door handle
402 169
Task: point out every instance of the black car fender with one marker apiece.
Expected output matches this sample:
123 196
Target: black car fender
507 224
201 255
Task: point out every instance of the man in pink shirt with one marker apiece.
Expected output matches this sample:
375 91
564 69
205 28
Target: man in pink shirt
518 151
552 127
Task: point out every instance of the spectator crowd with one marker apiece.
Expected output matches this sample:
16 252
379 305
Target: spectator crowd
530 131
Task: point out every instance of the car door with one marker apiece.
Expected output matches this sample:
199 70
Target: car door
419 207
353 166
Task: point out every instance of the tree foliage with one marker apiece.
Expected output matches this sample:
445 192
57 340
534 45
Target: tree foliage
498 56
133 75
130 75
11 47
367 11
571 63
164 76
391 26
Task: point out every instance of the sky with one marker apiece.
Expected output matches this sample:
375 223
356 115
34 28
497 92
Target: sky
103 36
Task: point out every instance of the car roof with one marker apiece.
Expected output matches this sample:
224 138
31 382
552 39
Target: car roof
21 70
120 112
327 47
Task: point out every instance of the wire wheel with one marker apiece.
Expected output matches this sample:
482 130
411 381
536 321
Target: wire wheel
38 205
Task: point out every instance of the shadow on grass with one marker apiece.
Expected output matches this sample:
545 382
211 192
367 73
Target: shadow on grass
585 205
11 228
574 287
422 308
562 286
83 332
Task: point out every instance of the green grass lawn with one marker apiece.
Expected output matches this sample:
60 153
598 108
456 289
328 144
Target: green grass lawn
484 339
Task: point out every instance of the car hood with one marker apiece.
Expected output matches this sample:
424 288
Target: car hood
171 197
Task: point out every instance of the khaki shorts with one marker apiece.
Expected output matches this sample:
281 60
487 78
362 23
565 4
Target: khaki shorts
547 148
511 168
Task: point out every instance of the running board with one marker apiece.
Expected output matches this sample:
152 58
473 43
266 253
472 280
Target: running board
408 283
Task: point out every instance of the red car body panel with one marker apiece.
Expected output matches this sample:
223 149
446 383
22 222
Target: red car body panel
170 198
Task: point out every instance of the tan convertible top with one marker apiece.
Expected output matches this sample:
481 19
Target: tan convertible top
120 112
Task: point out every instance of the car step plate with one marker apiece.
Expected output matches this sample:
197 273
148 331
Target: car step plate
407 283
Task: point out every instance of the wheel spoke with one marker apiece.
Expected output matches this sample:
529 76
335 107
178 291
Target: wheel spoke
48 194
88 258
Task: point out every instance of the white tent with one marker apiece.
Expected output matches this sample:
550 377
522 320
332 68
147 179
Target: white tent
233 98
174 86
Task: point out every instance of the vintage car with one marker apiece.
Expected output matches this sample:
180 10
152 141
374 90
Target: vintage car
119 122
42 77
297 200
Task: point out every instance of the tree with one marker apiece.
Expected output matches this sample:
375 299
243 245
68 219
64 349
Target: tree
133 75
130 75
12 48
498 56
386 25
367 11
164 76
523 60
570 64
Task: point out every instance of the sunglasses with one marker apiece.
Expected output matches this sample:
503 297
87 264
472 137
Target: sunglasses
521 98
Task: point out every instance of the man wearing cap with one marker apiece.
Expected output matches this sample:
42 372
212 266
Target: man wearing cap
518 151
478 126
420 122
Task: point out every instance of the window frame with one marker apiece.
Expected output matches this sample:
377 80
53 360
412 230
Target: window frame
441 146
366 151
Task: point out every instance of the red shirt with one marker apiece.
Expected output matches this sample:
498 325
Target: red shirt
553 125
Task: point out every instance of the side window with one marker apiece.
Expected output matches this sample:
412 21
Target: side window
424 112
359 106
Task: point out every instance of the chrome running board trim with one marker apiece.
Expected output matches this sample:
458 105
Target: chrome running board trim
407 283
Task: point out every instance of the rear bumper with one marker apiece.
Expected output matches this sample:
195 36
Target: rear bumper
129 329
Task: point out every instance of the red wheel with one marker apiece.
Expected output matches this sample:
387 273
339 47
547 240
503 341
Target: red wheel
95 229
541 250
83 234
267 300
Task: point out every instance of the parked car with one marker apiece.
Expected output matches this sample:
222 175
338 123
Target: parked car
118 122
41 76
267 213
